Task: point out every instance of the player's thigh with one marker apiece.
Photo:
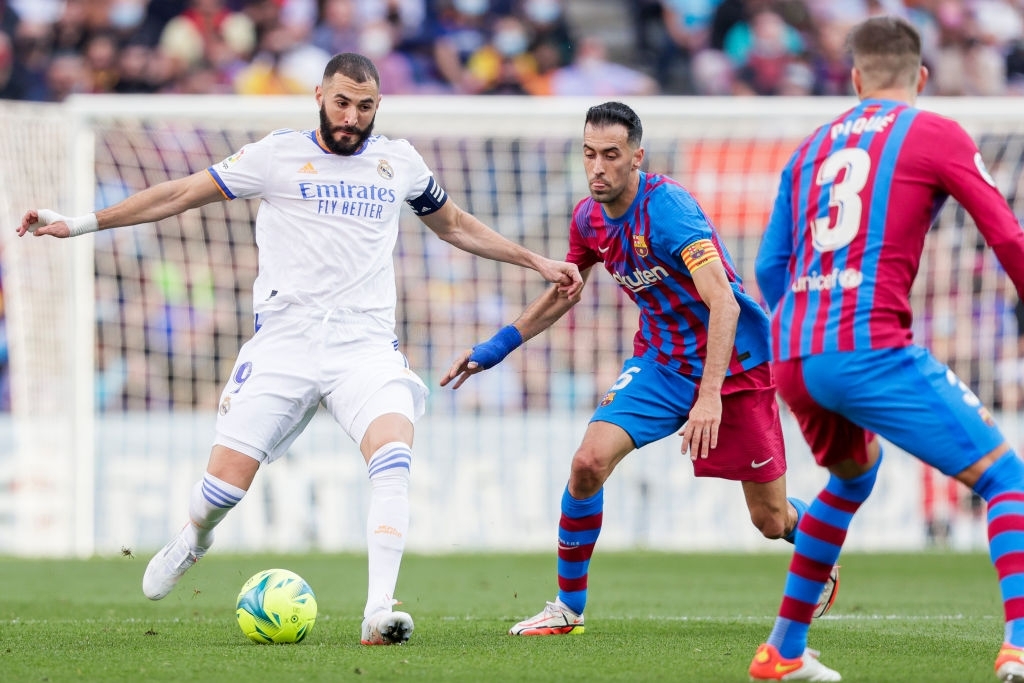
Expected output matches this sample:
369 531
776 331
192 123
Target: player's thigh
386 417
911 399
831 436
368 380
647 401
272 392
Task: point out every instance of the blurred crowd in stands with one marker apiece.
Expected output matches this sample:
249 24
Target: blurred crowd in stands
52 48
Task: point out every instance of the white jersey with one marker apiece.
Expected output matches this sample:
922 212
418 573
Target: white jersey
327 224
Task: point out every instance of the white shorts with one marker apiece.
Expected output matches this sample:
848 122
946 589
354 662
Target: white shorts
296 361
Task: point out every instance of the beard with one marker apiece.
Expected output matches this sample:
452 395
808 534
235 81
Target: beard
338 147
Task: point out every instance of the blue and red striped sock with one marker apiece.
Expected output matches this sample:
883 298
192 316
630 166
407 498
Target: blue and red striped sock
578 529
1002 486
815 551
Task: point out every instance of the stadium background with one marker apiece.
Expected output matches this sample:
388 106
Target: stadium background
116 345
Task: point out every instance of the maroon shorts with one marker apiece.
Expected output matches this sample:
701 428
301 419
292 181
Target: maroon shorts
750 443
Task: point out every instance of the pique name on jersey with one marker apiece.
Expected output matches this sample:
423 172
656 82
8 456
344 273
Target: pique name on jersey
863 124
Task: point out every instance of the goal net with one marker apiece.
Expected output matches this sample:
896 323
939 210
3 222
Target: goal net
121 341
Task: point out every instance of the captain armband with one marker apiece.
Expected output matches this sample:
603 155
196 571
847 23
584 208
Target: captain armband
699 253
432 199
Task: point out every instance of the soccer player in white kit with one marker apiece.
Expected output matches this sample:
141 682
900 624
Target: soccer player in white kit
324 300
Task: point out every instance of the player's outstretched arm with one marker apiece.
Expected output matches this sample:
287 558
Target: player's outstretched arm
541 314
463 230
152 204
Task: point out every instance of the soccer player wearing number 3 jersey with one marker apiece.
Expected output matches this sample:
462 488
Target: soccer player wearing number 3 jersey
836 265
700 363
325 301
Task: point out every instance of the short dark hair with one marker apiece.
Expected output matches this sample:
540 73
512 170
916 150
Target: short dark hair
887 51
611 113
352 65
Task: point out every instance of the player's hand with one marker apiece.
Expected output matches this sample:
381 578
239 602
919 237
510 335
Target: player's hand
461 370
564 274
44 222
484 355
700 433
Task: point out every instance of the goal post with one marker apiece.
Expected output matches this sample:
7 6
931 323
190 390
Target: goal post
121 341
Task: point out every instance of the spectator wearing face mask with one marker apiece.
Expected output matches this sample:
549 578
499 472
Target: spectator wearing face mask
768 57
546 22
338 28
378 41
504 65
591 73
209 35
462 30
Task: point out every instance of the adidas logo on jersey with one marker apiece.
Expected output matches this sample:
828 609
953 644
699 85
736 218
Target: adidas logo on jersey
308 168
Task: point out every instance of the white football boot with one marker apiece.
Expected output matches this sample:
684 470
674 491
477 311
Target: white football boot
555 620
386 628
168 566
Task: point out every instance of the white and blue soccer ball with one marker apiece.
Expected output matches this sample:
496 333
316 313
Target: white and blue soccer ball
276 606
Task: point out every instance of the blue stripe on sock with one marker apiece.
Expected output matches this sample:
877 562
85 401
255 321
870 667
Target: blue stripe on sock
577 508
574 600
803 590
574 538
396 457
832 516
1004 475
800 507
1012 585
1006 542
787 630
1006 507
572 570
818 550
403 464
218 496
857 489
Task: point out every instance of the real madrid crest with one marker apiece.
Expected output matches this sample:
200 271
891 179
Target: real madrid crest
225 405
384 170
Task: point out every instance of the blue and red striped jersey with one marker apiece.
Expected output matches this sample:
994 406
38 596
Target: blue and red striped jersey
651 251
845 237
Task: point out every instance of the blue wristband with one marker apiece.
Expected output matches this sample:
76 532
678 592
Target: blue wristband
491 352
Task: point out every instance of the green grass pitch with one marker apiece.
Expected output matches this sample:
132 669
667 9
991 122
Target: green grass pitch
651 617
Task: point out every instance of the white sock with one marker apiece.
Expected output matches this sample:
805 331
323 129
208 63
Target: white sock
387 522
212 499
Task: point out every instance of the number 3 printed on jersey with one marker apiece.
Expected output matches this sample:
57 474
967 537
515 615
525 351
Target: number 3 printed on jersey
843 195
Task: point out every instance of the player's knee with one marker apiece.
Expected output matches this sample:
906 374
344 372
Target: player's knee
770 522
589 472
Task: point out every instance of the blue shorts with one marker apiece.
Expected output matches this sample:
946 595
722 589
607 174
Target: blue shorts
650 402
902 394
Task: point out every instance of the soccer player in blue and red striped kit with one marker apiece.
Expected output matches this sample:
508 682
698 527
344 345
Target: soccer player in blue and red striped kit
836 265
700 363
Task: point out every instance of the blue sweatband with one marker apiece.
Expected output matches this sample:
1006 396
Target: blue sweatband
491 352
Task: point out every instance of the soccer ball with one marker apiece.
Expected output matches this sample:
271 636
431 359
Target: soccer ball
276 606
